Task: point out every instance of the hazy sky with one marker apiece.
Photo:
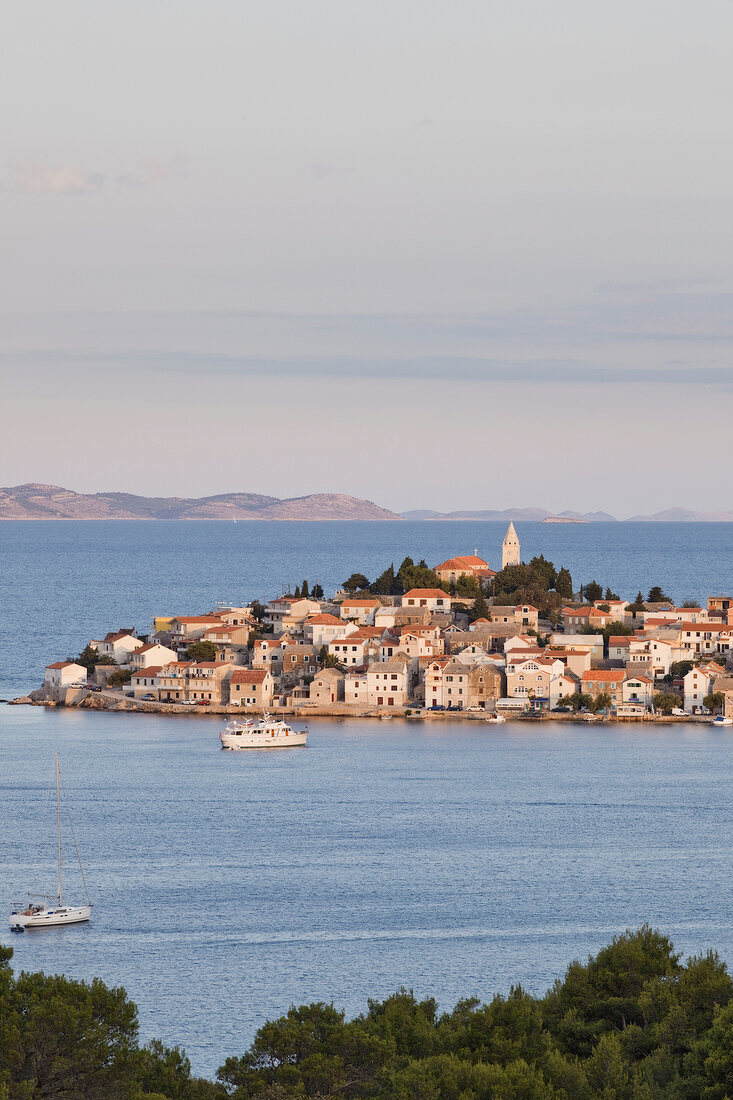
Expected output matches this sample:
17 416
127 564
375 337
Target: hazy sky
467 254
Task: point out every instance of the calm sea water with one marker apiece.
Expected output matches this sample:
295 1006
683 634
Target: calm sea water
63 583
453 858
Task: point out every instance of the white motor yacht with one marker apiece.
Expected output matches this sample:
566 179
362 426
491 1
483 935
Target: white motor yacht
268 733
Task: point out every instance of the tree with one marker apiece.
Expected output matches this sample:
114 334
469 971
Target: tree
328 660
667 701
578 701
690 603
357 582
385 584
611 595
317 591
480 609
118 677
201 651
715 701
656 595
602 701
90 657
304 590
638 604
564 584
679 669
593 592
296 594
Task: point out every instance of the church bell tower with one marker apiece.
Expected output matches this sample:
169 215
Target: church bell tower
510 548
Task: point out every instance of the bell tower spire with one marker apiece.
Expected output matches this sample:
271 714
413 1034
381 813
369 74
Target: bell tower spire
510 547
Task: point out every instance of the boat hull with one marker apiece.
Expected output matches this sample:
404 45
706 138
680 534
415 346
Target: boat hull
52 918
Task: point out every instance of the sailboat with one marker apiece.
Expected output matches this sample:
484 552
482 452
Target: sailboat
52 911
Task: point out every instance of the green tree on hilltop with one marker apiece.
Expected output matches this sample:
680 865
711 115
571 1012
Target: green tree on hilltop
357 582
656 595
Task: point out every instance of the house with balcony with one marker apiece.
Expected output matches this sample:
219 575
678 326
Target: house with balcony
208 681
173 682
146 681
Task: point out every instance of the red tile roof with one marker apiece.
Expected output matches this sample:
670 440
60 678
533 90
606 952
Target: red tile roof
247 676
426 594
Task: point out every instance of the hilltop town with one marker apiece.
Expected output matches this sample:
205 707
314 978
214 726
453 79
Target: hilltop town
421 641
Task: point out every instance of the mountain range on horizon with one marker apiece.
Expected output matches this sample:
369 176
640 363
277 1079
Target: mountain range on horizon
34 500
539 515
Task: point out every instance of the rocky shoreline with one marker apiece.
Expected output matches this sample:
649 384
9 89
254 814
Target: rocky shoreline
114 703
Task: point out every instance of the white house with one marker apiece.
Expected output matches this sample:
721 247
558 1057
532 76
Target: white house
698 683
594 642
360 611
638 689
531 677
561 686
146 681
321 629
150 654
63 674
118 645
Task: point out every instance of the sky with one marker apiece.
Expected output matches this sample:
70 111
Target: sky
465 255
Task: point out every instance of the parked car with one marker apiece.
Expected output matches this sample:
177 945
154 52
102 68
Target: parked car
678 712
436 706
203 703
148 696
187 702
96 687
130 694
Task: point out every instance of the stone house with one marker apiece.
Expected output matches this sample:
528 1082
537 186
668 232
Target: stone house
209 681
146 681
356 687
388 682
600 681
251 687
268 653
327 687
433 599
298 659
173 681
434 681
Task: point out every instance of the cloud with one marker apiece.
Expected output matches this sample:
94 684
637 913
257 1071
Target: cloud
66 179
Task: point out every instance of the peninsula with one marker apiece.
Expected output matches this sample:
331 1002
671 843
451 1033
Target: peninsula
459 638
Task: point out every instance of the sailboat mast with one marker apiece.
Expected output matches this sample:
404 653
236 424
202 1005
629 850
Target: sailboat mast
58 820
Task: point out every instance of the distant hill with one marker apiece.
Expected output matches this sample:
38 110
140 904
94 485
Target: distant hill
34 501
534 515
539 515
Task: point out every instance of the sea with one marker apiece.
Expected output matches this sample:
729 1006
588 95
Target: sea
451 858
